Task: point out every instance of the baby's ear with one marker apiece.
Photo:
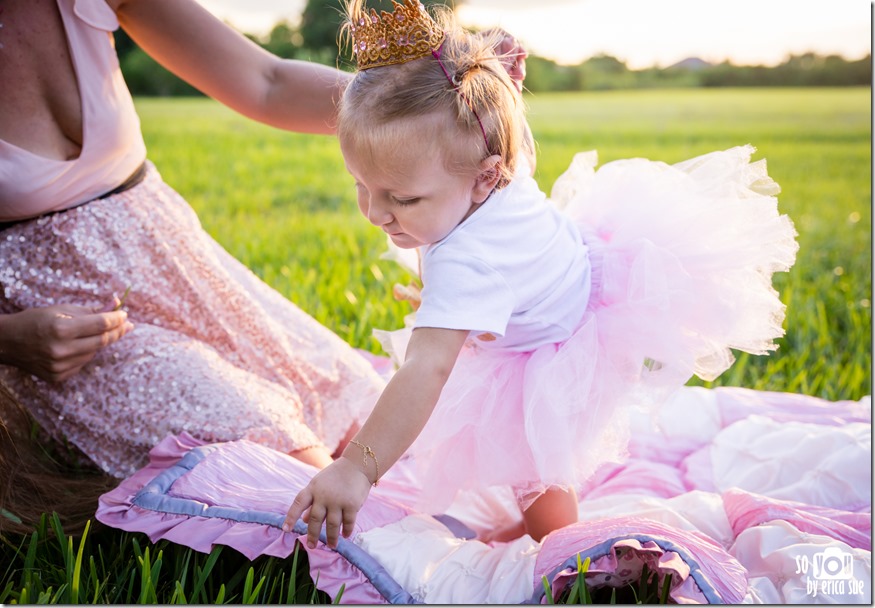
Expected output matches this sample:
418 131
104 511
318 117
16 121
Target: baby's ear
487 178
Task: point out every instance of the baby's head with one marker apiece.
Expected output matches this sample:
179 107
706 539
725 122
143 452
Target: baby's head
453 97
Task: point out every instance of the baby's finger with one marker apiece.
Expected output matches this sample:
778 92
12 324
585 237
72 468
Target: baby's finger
332 527
348 522
301 503
314 525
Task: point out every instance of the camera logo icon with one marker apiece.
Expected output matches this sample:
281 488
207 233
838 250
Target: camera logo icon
833 564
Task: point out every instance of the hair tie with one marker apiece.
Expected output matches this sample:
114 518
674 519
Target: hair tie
453 80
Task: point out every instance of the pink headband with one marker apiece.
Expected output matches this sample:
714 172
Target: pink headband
437 55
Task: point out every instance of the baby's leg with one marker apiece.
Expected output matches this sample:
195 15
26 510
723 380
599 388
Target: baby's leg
353 429
555 508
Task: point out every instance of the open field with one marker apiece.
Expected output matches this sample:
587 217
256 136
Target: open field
284 205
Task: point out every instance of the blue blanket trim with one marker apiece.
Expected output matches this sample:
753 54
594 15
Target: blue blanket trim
458 529
154 497
602 549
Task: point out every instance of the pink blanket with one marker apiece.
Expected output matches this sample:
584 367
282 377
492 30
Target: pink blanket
742 496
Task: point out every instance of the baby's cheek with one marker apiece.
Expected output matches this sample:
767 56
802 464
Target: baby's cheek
363 204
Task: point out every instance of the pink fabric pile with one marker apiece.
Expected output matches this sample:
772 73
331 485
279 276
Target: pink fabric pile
743 496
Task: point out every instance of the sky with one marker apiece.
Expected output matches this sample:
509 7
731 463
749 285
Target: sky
642 33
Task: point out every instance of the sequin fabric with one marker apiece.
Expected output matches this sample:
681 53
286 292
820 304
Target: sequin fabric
215 351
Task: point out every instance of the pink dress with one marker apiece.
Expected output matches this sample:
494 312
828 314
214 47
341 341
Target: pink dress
676 262
215 352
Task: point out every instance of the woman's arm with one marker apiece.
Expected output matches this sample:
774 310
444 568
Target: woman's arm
336 494
222 63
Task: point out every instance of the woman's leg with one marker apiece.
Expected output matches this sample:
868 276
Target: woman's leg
317 456
353 429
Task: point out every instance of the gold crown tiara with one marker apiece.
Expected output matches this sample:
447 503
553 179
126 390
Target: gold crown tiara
405 34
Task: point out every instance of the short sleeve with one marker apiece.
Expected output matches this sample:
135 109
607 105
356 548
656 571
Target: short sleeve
464 294
97 14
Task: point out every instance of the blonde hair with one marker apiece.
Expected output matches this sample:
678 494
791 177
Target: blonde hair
475 95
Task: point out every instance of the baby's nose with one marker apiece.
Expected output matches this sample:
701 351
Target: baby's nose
378 215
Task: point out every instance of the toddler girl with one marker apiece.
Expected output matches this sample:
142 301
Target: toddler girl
540 321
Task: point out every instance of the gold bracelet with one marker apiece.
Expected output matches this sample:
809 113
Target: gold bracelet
367 451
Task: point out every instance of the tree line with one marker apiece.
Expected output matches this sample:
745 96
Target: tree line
316 39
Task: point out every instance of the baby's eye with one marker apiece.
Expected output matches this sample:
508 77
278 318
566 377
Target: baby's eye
406 201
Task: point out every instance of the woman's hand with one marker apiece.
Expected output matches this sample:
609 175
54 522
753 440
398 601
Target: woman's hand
56 342
334 496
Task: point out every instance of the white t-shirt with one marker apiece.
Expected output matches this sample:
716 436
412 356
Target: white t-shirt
516 269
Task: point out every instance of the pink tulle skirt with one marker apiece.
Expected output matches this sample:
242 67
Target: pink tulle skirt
682 258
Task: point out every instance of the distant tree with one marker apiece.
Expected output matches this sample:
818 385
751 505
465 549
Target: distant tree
602 72
546 75
606 64
316 40
123 43
145 76
284 40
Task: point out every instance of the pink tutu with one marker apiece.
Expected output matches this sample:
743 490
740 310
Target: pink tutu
682 258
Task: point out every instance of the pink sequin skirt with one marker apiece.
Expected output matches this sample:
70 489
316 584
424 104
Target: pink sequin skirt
215 351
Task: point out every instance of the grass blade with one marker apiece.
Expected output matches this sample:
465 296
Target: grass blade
548 592
77 566
582 569
666 587
339 594
204 574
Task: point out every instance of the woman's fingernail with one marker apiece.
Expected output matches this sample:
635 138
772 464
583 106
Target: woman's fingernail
285 527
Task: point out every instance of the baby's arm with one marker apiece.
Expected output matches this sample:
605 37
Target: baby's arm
336 493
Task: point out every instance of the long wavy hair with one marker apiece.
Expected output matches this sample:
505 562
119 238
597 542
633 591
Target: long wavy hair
36 478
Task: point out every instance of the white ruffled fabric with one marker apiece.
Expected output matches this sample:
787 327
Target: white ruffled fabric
770 522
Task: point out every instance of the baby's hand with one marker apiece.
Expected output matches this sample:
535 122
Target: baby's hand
334 496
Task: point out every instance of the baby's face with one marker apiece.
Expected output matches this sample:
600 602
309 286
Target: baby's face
414 199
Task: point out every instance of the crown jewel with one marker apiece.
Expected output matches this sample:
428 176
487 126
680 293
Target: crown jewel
405 34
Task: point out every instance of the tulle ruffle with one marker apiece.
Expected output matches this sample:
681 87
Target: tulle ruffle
686 254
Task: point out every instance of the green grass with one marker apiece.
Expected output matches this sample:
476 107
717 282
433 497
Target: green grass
284 205
114 567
